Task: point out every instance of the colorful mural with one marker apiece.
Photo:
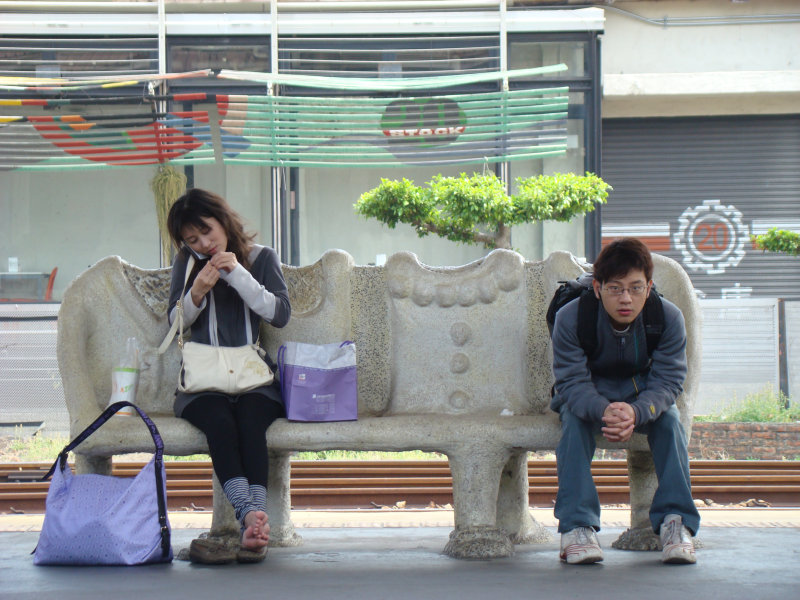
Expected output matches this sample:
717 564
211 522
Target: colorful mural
85 130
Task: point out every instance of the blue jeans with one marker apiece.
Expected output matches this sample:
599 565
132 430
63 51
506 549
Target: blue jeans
577 504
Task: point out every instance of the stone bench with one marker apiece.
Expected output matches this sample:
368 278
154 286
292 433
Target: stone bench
455 360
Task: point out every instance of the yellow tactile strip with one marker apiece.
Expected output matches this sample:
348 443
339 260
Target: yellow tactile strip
612 517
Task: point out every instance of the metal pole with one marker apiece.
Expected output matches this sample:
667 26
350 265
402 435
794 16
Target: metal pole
593 123
275 172
162 38
161 104
273 38
277 242
783 359
505 168
504 40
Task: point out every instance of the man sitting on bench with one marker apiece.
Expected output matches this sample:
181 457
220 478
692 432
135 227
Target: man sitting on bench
619 386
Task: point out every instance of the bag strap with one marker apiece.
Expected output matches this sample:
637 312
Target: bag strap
177 324
281 359
109 412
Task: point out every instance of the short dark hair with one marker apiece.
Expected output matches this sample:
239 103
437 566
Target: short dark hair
622 256
197 204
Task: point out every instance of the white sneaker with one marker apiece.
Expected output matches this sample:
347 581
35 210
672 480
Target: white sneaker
676 542
580 546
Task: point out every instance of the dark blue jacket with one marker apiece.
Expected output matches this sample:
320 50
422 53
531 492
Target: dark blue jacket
652 391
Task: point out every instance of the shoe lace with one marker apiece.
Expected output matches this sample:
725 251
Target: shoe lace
583 536
673 534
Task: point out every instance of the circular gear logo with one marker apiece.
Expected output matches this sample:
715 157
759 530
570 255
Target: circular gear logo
711 237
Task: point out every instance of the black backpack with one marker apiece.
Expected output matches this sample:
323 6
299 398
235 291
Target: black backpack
653 313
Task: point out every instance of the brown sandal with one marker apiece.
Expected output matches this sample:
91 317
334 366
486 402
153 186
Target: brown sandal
243 555
208 552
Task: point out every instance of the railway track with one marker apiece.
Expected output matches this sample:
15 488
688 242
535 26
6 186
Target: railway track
366 484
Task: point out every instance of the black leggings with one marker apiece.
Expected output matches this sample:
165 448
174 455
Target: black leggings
236 433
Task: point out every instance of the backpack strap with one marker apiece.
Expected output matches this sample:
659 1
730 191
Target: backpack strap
567 291
653 321
588 305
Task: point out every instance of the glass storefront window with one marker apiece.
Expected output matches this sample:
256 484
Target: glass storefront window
59 220
524 55
233 53
78 57
386 57
537 240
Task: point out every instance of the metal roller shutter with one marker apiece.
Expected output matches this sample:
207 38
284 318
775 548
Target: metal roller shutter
695 189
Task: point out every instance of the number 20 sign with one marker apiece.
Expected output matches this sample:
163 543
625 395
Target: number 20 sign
711 237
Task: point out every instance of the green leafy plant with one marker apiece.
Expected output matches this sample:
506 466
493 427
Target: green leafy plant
476 209
764 406
778 240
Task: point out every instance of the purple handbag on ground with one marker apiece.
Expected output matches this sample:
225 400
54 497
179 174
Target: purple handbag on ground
103 520
319 382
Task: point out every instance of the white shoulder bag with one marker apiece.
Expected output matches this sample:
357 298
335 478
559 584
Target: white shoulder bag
206 367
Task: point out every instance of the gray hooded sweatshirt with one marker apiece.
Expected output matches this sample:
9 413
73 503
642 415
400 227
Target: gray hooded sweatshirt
651 391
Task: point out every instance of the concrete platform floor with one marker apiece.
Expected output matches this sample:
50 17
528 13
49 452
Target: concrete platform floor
747 554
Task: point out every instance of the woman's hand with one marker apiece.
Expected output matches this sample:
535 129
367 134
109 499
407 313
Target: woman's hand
224 261
206 279
208 276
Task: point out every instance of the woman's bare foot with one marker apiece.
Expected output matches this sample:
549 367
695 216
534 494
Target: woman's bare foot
256 530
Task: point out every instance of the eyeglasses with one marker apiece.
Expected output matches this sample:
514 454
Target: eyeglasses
636 290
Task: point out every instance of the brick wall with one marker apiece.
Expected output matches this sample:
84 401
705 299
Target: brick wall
736 441
742 441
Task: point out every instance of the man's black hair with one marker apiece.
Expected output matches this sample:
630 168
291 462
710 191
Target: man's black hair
620 257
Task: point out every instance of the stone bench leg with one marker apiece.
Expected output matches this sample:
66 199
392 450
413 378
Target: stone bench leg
643 483
99 465
476 484
513 516
223 521
279 502
225 527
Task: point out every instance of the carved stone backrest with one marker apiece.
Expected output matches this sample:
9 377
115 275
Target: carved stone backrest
458 335
445 340
101 308
673 282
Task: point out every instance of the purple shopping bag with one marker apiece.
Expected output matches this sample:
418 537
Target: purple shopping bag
319 382
95 519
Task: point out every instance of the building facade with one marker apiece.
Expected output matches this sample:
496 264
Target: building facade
69 210
690 110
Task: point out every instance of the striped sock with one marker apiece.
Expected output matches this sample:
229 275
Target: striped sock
259 495
237 491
